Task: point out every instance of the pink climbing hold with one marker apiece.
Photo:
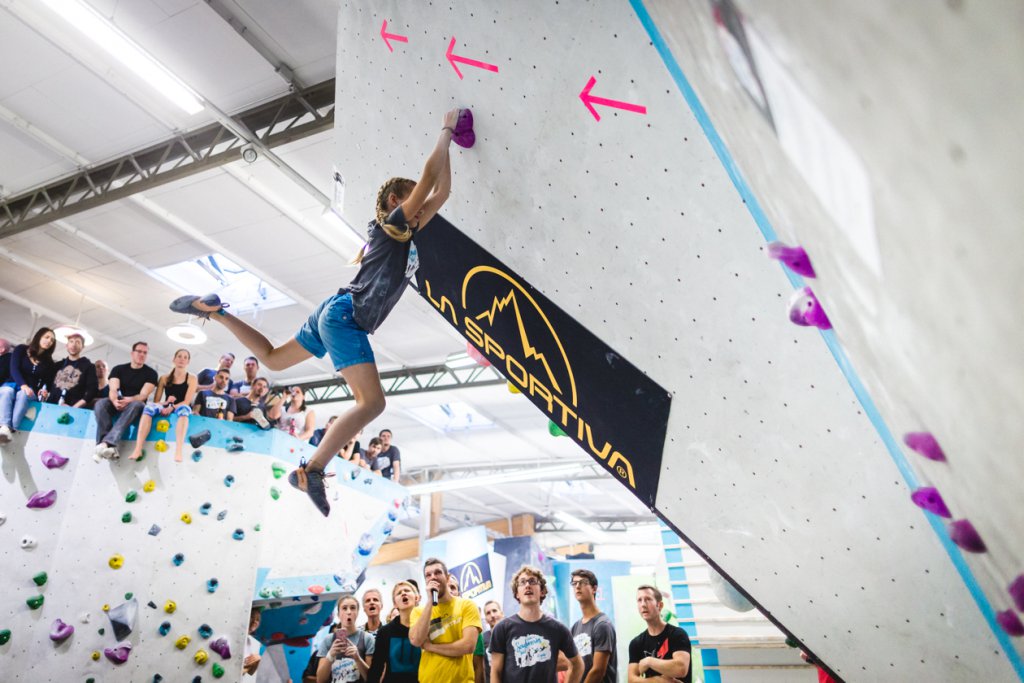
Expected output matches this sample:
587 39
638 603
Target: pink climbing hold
966 536
1016 589
924 444
53 460
804 309
221 647
40 500
119 654
59 631
795 258
928 498
463 135
1010 622
475 354
316 589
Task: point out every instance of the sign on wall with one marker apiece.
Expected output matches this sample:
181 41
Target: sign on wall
598 398
474 576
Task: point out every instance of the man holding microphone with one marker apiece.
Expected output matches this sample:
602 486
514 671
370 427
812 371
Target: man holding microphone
446 629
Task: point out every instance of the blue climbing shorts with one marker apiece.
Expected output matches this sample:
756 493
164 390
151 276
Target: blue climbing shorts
332 329
153 410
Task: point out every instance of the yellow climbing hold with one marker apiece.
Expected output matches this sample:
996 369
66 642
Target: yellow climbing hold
160 446
95 656
201 657
116 561
149 486
187 518
170 606
182 643
162 426
512 388
106 608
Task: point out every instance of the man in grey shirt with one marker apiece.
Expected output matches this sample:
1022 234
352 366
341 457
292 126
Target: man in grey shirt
594 634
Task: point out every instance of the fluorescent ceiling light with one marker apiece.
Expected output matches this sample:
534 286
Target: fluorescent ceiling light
578 523
492 479
67 329
187 333
453 416
98 29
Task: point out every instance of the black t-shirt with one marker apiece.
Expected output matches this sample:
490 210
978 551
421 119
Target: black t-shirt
5 367
387 267
531 648
393 647
210 404
75 380
132 380
661 646
385 462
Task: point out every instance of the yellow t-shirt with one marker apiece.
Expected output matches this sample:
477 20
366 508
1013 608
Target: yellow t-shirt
446 623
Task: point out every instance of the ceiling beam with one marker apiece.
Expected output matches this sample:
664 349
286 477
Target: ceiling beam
288 118
405 381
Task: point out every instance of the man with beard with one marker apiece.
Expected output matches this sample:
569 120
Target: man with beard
75 382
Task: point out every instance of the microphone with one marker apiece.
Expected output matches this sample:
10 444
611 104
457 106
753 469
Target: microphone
433 595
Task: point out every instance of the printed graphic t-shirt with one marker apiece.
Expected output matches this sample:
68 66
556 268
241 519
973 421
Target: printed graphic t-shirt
447 620
596 635
210 404
344 669
385 461
394 649
661 646
531 648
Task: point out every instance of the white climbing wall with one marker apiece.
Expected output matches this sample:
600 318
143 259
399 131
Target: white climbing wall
295 548
632 225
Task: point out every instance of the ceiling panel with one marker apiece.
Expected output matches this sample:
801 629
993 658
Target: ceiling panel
19 44
29 163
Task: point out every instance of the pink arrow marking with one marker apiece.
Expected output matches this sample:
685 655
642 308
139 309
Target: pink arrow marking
589 101
393 36
453 58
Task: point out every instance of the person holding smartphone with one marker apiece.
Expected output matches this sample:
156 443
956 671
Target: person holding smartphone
346 652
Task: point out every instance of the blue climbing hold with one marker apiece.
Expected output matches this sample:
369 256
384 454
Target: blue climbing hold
178 559
205 631
221 515
197 456
238 535
212 585
165 628
229 480
204 509
154 530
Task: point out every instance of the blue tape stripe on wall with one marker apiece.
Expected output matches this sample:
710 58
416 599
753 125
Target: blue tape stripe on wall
754 207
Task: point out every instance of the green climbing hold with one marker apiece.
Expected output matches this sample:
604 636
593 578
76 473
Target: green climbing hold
142 456
555 430
791 642
65 419
90 680
256 528
265 592
126 517
5 636
128 596
218 670
279 470
35 602
130 497
275 492
101 631
40 578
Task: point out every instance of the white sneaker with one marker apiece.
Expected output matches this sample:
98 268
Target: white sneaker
259 418
5 434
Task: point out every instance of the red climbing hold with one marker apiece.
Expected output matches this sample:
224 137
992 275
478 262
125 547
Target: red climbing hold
480 358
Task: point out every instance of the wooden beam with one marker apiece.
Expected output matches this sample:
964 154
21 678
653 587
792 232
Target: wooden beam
436 505
396 551
502 526
522 525
577 549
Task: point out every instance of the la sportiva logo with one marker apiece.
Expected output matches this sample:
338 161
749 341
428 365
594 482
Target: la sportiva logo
506 323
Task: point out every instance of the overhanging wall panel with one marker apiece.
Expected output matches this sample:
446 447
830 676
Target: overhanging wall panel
631 225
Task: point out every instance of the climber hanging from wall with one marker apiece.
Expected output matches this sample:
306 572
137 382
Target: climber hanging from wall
340 324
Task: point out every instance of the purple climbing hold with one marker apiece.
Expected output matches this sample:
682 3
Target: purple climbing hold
804 309
59 631
463 135
119 654
40 500
928 498
966 536
53 460
1010 622
1016 589
925 444
221 647
795 258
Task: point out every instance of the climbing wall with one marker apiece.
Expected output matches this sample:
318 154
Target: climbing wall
211 535
593 183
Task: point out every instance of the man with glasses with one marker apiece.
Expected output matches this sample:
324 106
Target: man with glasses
594 634
525 646
128 387
446 629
